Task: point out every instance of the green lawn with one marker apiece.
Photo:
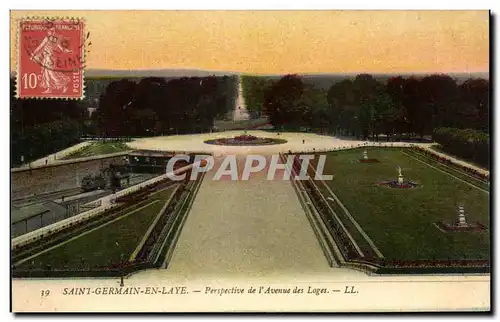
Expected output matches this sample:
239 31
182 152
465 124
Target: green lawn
240 125
400 222
451 169
97 148
105 245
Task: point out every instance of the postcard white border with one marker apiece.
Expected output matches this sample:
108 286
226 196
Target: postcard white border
256 4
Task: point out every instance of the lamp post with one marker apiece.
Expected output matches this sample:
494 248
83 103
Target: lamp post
121 270
462 221
121 263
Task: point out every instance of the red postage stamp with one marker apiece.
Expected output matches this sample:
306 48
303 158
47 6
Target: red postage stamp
50 58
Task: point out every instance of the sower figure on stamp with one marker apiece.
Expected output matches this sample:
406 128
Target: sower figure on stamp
44 54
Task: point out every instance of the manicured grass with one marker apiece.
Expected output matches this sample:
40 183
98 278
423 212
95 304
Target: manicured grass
103 246
451 169
401 222
97 148
240 125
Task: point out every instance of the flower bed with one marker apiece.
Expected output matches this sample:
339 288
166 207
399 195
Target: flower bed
396 185
474 227
245 139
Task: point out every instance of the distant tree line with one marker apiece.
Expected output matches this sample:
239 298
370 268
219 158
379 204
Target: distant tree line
253 92
150 106
365 107
39 127
154 106
43 139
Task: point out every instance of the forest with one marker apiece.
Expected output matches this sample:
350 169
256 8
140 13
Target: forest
366 107
455 115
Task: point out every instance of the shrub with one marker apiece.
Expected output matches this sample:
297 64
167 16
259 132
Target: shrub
466 143
43 139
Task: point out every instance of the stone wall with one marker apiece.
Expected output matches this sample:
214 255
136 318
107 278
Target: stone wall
46 179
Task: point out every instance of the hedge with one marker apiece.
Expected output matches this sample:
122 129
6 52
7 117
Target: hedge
468 144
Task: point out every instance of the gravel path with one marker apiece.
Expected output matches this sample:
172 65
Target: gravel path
49 159
254 228
458 161
240 109
194 143
297 142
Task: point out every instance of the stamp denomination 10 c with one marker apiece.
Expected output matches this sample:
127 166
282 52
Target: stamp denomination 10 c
50 58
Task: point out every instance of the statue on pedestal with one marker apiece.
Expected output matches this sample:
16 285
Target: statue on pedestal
461 222
400 176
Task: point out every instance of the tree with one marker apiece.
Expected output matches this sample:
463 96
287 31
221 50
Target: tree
41 127
437 92
386 114
413 106
314 109
281 102
148 107
476 93
154 106
342 106
463 115
396 89
254 89
115 108
360 107
467 143
370 98
419 111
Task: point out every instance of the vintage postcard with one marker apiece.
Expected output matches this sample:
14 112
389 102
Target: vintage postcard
250 161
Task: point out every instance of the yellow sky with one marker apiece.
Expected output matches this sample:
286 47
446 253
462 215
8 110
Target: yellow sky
284 41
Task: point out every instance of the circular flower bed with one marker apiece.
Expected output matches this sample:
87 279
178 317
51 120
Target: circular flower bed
455 228
395 185
245 139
